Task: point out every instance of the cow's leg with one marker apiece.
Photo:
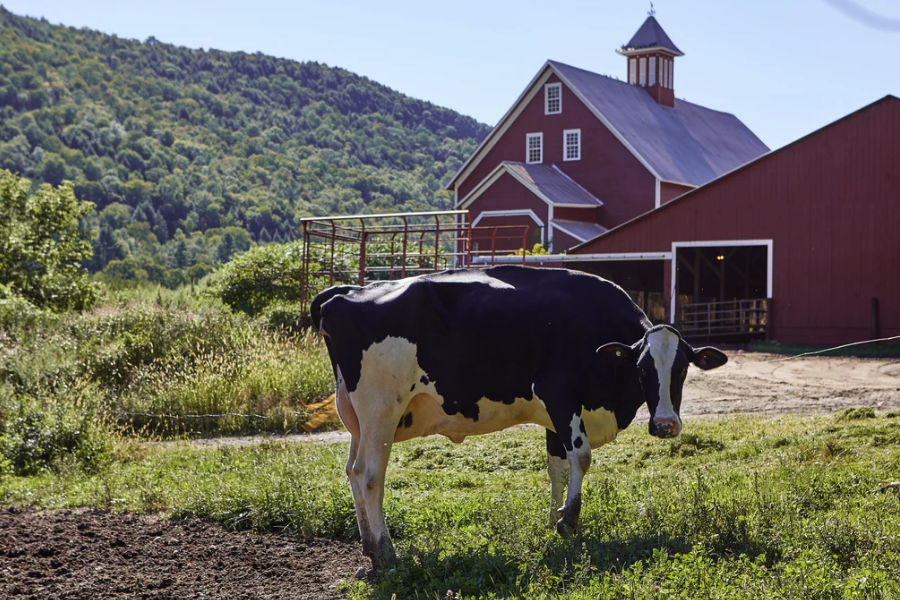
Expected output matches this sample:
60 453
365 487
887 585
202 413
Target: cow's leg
558 469
351 422
369 471
578 454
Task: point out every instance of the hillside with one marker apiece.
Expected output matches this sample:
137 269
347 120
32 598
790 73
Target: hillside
191 155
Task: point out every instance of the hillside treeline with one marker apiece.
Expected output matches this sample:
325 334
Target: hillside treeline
192 155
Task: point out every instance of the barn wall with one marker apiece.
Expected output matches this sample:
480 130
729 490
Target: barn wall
562 240
670 191
831 204
588 215
607 169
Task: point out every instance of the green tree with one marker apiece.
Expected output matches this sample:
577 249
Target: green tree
41 247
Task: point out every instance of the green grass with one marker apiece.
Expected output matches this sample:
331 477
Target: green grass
734 508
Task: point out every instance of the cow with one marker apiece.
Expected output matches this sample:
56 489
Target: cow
474 351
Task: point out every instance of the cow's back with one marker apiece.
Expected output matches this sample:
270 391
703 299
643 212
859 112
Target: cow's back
483 333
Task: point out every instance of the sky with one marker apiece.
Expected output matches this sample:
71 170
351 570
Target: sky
784 67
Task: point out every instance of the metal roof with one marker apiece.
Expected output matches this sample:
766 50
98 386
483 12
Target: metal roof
685 144
552 183
651 35
579 230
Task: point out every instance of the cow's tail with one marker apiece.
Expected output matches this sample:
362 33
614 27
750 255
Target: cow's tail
315 310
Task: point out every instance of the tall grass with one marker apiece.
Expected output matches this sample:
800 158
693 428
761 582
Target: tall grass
152 362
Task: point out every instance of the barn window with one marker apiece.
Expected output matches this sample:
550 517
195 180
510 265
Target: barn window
552 98
572 143
652 70
534 148
643 71
671 75
664 75
632 71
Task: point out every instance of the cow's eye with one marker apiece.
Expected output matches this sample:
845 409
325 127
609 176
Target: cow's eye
684 373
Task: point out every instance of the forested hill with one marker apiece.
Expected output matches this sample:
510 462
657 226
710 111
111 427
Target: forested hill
182 149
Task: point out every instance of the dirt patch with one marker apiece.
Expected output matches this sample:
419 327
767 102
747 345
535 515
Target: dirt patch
96 554
767 384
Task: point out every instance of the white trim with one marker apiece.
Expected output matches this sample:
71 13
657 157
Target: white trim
705 244
528 137
547 87
629 52
603 257
642 70
658 194
566 133
504 123
518 212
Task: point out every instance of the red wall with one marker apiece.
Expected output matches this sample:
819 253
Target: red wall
670 191
831 204
607 169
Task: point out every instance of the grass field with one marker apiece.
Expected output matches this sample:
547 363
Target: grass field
733 508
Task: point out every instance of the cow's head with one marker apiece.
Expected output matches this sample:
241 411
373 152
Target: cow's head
662 360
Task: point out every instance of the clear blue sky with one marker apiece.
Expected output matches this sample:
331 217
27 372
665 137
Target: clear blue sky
785 67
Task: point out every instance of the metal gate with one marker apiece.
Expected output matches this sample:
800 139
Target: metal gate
360 249
747 319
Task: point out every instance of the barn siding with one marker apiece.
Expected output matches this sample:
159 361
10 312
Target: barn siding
831 204
670 191
607 169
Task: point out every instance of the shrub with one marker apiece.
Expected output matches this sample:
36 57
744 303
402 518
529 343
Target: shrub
261 276
286 315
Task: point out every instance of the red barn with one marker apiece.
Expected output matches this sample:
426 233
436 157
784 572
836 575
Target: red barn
813 226
580 153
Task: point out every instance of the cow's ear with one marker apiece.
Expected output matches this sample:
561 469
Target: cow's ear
708 358
615 353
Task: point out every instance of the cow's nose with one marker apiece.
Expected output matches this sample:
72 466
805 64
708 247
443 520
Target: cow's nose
667 427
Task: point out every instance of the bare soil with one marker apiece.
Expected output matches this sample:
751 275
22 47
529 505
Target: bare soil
94 554
100 554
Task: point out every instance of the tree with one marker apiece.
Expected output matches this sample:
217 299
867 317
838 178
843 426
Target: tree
41 247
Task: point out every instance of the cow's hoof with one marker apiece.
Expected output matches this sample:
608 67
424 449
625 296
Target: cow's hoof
565 528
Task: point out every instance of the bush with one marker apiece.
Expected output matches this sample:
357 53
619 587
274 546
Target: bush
286 315
262 276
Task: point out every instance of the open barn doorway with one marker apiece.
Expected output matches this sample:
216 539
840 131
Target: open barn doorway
642 279
722 290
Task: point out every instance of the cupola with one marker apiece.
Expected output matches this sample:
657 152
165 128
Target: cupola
651 61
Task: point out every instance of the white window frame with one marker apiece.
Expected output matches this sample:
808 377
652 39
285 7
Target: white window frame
643 71
652 79
547 88
528 137
665 73
768 243
566 133
671 75
632 71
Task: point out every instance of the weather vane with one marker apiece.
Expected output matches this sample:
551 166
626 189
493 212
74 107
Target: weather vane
651 12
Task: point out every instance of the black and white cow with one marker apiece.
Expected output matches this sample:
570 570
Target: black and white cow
468 352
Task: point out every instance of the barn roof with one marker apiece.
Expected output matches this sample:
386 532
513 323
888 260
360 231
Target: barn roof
552 183
607 240
651 35
685 144
579 230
